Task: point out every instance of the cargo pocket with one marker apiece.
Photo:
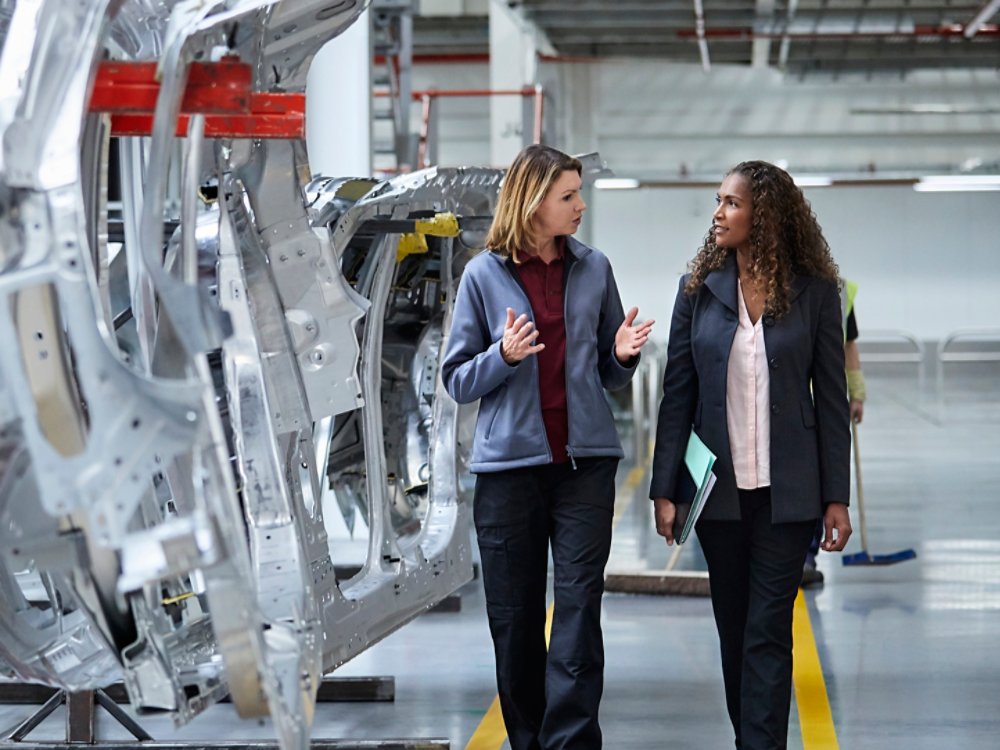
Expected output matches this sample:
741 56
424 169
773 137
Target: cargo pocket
497 578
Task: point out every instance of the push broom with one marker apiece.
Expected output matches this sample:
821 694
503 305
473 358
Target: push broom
864 557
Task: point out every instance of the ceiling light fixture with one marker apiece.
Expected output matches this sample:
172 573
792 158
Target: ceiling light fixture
812 180
616 183
957 183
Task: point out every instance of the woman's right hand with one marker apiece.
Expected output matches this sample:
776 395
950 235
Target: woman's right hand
664 513
518 339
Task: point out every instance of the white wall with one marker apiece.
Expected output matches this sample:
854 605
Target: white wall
648 119
925 263
463 135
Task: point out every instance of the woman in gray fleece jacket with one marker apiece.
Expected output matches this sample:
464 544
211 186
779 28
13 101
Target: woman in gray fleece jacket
538 334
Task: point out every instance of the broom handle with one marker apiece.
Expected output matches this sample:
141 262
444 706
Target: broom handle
672 562
857 479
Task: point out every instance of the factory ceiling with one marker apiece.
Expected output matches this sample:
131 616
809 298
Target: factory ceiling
798 36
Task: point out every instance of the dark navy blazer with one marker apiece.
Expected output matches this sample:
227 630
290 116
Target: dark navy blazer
810 422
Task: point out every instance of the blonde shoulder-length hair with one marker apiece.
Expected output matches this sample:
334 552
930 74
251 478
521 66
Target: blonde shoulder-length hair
522 192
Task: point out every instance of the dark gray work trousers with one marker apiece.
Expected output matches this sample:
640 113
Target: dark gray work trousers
549 699
755 568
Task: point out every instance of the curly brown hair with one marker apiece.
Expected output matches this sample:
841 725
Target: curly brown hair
785 238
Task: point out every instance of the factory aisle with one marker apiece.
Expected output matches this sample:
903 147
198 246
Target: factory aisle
907 652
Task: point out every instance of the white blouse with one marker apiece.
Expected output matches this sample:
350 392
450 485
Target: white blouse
748 402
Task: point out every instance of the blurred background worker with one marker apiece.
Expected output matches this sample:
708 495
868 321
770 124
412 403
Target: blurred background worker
811 575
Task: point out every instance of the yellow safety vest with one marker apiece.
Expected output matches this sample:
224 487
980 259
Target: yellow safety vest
848 290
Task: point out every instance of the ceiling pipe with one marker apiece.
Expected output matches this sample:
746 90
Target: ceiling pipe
786 41
748 34
982 17
699 22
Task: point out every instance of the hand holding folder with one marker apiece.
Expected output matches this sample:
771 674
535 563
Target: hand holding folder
699 461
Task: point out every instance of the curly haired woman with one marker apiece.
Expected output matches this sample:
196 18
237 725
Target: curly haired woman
756 368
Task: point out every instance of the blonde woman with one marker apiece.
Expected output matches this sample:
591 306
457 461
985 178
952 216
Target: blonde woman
537 335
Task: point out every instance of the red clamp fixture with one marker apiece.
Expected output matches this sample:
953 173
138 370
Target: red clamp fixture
219 90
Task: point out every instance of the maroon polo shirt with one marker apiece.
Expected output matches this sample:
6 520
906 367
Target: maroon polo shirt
544 284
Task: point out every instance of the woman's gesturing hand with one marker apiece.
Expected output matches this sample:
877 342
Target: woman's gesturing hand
664 513
630 339
518 338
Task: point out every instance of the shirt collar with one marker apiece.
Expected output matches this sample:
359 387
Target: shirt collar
526 259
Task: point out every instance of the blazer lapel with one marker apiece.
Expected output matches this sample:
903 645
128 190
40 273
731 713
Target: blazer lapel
722 282
799 284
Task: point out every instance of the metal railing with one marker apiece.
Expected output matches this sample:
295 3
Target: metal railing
894 346
646 392
972 345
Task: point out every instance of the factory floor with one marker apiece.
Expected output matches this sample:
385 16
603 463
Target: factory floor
897 656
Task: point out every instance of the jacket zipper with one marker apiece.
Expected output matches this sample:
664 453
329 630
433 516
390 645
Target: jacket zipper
569 275
538 397
569 452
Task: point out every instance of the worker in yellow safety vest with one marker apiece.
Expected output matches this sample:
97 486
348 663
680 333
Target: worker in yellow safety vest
852 359
855 394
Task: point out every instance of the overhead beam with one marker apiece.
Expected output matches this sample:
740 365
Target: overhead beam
984 15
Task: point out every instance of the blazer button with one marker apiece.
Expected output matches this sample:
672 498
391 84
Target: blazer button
775 409
773 363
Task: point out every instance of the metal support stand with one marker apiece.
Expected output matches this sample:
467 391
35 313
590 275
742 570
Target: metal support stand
80 715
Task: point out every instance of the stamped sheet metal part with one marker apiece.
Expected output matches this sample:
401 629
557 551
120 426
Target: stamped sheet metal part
184 408
99 433
417 542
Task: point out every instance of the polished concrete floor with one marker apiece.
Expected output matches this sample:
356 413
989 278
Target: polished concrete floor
909 652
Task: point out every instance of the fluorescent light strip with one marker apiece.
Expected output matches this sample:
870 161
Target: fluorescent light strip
812 180
616 183
957 183
923 187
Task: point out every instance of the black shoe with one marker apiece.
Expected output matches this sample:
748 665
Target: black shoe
811 576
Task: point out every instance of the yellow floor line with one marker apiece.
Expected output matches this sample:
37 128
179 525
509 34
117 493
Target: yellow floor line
815 717
491 733
626 492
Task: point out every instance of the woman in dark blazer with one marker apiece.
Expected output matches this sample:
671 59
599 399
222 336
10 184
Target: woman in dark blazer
756 367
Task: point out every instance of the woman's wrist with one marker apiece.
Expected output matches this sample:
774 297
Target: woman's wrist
503 355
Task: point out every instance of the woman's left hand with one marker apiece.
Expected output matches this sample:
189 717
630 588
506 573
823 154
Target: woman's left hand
631 338
836 517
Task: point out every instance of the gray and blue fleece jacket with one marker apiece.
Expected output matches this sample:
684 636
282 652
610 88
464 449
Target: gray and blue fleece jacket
510 432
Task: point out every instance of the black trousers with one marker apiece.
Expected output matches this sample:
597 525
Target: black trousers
755 568
549 699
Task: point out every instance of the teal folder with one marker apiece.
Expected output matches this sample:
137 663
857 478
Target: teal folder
699 461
